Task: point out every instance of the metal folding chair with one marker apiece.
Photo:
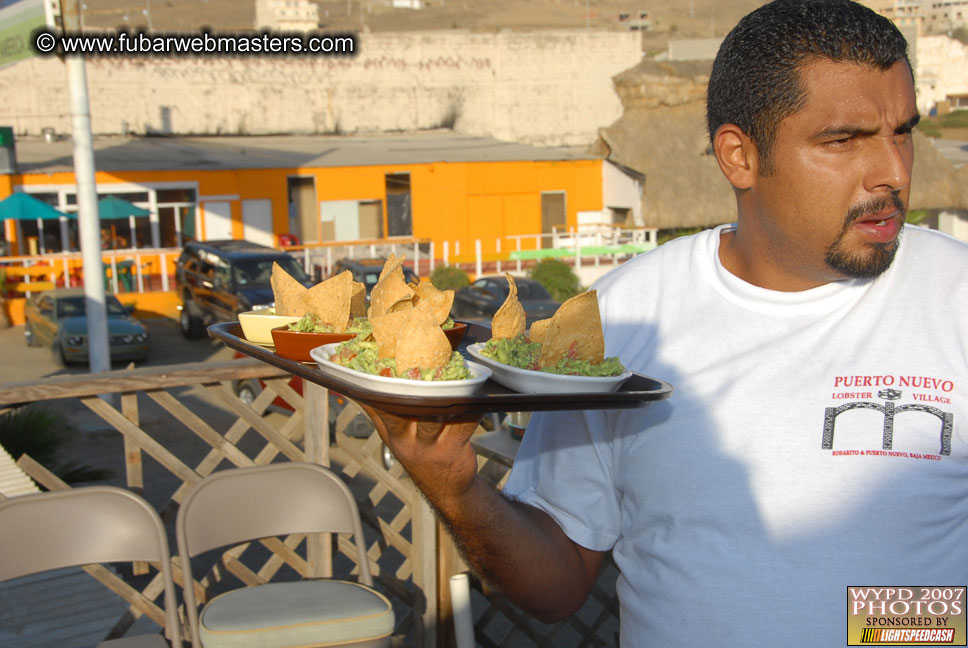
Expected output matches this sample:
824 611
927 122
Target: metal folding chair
243 504
81 526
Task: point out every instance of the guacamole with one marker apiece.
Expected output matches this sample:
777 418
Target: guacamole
361 355
311 324
522 353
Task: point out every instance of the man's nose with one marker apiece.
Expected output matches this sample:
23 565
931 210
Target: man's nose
890 164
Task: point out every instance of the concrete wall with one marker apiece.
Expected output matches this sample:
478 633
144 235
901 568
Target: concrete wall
544 88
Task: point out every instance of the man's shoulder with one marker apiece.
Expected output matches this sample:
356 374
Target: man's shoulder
931 248
673 256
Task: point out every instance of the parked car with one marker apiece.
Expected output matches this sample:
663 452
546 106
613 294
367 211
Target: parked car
367 271
483 297
217 280
359 426
58 318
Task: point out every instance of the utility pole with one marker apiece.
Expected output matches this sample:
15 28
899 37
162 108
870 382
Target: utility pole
88 222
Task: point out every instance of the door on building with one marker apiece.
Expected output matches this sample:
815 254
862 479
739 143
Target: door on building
552 215
351 220
218 220
257 221
399 218
303 218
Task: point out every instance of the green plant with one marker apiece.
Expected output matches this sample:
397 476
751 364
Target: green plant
929 127
955 119
449 278
45 435
557 277
961 34
915 216
666 235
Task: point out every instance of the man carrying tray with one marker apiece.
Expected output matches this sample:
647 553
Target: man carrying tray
817 435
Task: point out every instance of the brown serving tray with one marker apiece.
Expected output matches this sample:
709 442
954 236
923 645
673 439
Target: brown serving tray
637 391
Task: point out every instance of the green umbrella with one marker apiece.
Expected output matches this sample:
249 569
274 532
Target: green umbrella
113 208
21 206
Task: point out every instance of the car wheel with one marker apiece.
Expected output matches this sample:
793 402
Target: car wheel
30 336
191 326
248 391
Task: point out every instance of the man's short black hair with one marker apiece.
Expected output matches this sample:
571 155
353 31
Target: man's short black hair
755 80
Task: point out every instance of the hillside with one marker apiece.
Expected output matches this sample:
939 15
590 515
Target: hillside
670 18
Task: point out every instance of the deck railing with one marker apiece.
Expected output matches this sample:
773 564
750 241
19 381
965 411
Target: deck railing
411 558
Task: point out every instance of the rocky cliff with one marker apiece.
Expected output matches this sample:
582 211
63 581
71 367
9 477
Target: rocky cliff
662 133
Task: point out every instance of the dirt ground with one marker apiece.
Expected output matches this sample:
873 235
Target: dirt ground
669 18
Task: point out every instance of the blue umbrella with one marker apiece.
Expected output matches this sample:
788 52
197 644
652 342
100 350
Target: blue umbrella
21 206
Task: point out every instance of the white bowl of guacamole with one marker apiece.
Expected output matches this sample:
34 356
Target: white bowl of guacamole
528 381
477 374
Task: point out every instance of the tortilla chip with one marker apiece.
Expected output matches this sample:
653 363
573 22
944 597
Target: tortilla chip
393 265
509 320
358 300
391 292
436 303
330 301
424 344
387 330
575 329
287 292
538 330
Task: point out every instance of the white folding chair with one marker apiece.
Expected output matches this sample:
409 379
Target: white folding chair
80 526
243 504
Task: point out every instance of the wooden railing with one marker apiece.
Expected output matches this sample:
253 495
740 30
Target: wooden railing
400 529
411 557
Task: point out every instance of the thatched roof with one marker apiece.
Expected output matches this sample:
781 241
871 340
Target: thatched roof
662 134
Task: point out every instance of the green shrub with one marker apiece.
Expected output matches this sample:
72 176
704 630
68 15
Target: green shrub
449 278
929 127
557 277
915 216
44 435
955 119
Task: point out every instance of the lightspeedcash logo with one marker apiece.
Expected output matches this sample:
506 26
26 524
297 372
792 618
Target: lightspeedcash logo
912 616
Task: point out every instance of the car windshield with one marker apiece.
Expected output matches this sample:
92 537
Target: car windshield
526 289
75 307
370 277
255 273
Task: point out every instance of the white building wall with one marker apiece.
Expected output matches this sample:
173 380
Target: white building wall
544 88
942 69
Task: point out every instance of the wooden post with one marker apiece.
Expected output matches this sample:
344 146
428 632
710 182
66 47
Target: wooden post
424 524
319 546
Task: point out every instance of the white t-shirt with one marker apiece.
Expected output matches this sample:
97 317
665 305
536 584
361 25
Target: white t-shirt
815 440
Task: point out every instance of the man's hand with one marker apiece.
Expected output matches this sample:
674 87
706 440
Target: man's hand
437 454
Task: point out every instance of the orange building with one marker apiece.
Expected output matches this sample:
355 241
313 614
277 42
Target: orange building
433 186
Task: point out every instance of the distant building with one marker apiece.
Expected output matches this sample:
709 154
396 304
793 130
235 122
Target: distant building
691 49
945 15
941 74
434 186
286 15
926 16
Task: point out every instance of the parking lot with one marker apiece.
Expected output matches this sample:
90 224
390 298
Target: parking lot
99 443
167 347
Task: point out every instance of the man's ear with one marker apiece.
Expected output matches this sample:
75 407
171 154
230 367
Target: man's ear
736 154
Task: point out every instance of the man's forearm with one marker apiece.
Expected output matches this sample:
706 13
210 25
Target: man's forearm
520 551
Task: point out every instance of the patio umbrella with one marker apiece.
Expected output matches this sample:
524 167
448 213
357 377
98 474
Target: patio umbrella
24 207
113 208
21 206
